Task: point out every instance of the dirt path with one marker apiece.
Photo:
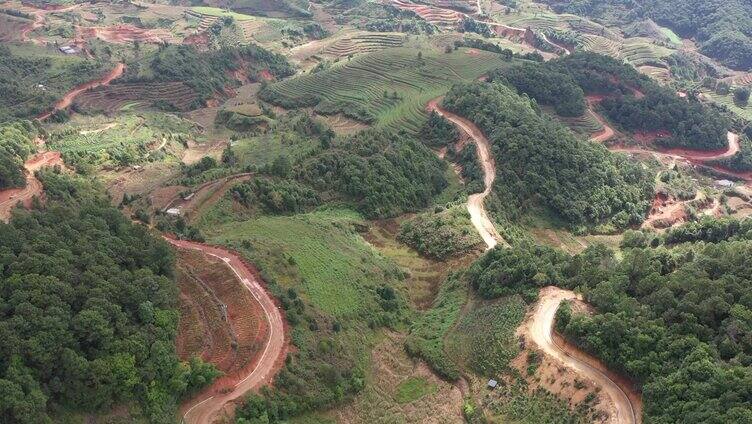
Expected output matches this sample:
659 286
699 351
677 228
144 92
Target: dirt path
66 101
10 197
541 331
478 214
607 132
205 409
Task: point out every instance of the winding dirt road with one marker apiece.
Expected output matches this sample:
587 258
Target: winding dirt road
66 101
475 207
10 197
541 331
206 407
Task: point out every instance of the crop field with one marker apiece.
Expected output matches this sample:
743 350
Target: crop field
440 17
215 12
586 124
484 338
129 139
662 75
363 43
116 97
335 267
602 45
220 322
728 101
368 83
640 51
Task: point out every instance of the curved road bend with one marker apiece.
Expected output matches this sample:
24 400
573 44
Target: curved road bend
66 101
475 207
541 331
203 411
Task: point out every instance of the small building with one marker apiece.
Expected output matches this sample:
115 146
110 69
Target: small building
173 211
492 384
68 50
724 183
189 196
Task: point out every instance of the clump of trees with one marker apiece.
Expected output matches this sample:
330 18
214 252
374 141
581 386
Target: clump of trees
208 72
16 144
383 173
546 85
440 234
538 161
89 314
283 196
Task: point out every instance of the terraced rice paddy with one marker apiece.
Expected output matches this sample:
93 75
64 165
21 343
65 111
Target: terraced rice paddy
113 97
640 51
436 16
362 83
586 124
363 43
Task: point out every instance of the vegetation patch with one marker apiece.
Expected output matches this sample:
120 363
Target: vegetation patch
413 389
442 233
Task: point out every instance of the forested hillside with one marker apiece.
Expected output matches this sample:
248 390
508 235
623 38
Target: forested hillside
16 143
538 161
633 101
88 312
676 320
722 27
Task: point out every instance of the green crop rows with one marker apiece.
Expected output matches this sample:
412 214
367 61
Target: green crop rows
370 81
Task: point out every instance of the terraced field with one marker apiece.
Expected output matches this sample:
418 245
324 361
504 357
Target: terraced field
438 16
115 97
640 51
602 45
586 124
363 43
368 83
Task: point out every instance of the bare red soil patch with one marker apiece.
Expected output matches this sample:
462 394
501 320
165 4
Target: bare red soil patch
646 137
220 322
206 406
125 34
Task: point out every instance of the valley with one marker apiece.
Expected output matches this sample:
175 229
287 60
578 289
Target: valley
371 211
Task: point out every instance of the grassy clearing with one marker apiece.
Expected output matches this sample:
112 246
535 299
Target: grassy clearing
671 35
389 88
338 271
413 389
728 101
484 338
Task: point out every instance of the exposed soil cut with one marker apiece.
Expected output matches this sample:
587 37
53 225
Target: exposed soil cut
208 405
67 99
125 34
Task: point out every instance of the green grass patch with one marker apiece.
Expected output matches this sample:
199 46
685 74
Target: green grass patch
338 271
484 338
413 389
388 88
671 35
222 13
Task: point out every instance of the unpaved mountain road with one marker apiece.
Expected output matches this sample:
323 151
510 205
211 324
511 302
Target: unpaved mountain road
10 197
68 98
540 329
475 206
205 408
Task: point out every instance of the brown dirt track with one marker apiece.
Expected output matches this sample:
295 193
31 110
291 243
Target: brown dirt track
11 197
66 101
209 405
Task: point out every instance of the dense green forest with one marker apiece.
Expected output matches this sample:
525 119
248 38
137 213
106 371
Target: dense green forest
16 144
546 85
207 73
632 101
30 84
386 174
88 312
538 161
722 27
678 321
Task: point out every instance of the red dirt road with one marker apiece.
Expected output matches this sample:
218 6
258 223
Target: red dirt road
66 101
205 408
10 197
625 400
475 206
